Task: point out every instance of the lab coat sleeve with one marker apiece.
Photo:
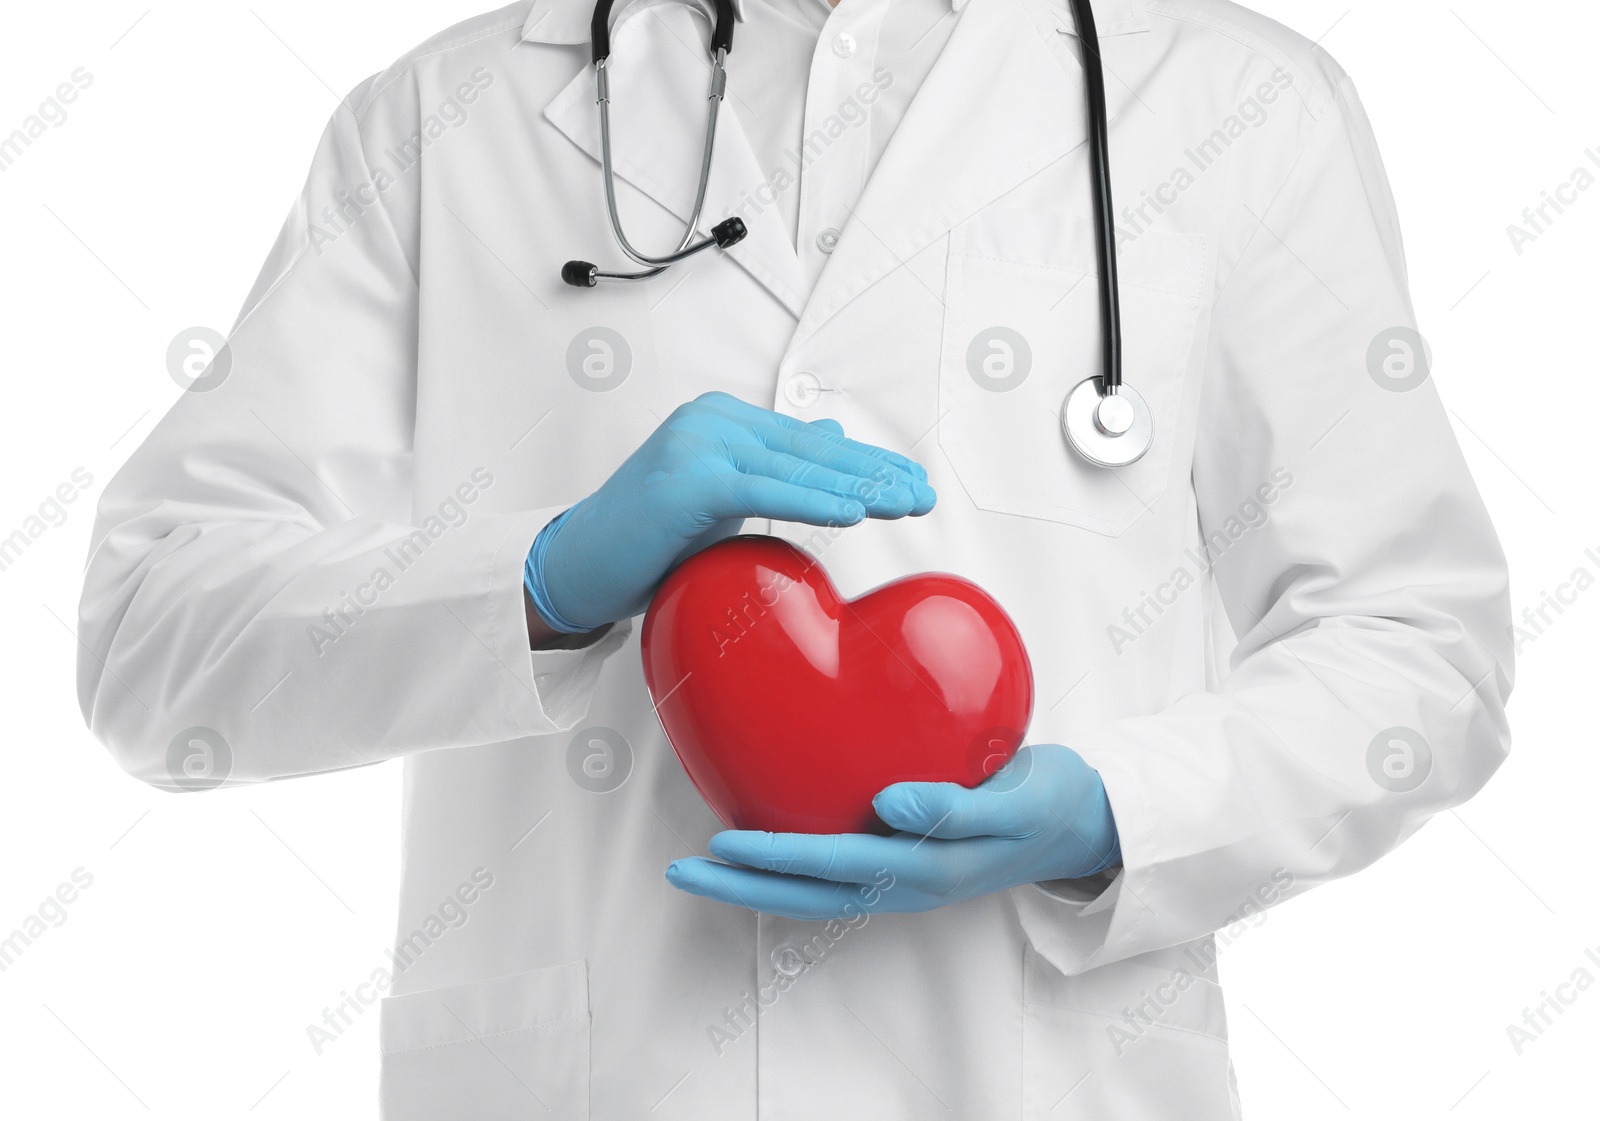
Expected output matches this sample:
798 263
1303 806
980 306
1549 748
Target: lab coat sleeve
268 593
1368 687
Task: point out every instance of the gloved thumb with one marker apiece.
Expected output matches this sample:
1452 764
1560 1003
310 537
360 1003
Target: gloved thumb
828 424
941 809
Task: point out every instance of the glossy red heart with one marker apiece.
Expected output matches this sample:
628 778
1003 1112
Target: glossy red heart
790 707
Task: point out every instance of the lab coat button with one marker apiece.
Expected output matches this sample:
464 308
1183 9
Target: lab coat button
827 239
789 961
802 389
844 44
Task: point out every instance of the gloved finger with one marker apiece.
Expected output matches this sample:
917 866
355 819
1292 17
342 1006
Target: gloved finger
891 501
756 496
948 810
757 418
836 449
770 427
828 424
885 468
803 438
793 897
852 458
857 858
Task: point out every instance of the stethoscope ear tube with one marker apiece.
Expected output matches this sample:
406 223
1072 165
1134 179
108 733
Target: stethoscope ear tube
600 29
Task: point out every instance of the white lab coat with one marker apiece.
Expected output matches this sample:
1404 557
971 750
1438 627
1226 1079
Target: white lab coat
320 559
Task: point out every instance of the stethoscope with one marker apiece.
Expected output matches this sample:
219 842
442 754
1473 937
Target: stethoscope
1105 420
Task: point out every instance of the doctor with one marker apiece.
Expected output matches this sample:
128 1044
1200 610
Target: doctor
413 509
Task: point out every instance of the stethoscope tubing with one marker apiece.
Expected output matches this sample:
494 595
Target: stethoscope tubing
1105 231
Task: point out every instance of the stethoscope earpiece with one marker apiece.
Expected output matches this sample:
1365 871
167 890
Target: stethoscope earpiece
580 274
729 232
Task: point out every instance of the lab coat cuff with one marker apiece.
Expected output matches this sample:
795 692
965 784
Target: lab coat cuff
1079 924
544 691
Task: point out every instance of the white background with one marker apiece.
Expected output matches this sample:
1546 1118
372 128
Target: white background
217 928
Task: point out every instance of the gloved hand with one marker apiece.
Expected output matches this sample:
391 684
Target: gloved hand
714 462
1043 816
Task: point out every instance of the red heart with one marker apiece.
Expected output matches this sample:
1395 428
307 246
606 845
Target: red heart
790 707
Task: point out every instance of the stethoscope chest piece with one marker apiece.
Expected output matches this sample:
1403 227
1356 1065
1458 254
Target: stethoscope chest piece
1107 429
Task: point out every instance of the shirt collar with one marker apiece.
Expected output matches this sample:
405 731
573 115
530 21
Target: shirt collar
567 21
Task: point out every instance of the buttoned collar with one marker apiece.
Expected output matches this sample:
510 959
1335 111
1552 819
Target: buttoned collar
567 21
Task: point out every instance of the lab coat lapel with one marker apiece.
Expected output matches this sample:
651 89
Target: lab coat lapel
660 74
1003 100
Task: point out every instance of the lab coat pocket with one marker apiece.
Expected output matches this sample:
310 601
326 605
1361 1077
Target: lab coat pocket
1021 329
1133 1041
509 1047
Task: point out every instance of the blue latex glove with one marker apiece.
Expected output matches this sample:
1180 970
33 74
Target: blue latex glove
714 462
1044 816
